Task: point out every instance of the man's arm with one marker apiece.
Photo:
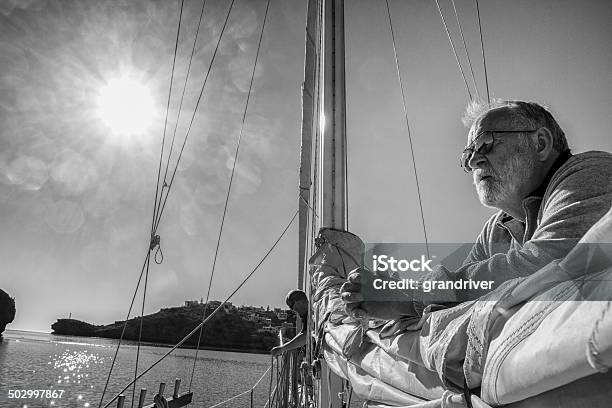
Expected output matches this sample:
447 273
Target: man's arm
297 342
578 197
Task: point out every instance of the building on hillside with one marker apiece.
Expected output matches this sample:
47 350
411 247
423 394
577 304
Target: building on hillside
251 317
280 314
229 308
269 330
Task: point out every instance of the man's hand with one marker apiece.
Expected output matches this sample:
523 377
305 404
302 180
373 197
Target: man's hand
363 300
276 351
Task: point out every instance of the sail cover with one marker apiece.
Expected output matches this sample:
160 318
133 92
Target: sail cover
545 339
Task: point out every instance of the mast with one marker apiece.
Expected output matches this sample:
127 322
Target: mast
332 172
323 116
324 128
310 120
332 169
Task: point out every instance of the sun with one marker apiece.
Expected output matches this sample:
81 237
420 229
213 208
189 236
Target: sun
126 106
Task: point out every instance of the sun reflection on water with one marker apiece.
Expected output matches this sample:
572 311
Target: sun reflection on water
70 364
70 367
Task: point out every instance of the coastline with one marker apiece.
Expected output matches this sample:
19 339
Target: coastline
231 330
11 333
168 345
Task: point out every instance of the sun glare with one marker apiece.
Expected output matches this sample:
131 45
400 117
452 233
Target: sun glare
126 106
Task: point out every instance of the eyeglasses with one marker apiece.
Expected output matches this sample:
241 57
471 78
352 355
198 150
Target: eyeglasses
482 144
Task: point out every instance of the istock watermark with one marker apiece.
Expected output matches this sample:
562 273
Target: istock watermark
385 263
429 285
401 271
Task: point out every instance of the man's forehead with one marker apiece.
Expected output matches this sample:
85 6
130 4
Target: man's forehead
498 118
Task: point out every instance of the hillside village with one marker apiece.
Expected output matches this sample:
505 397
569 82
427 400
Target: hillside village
240 328
269 321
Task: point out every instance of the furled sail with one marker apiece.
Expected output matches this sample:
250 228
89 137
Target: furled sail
541 340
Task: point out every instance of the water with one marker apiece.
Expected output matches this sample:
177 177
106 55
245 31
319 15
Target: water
79 366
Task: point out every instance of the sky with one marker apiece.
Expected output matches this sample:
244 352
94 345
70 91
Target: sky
76 192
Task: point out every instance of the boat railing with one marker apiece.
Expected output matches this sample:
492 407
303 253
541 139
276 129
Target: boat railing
175 401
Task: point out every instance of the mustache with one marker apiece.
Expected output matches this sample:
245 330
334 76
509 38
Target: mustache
482 172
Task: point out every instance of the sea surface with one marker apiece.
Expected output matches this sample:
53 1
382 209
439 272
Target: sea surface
79 366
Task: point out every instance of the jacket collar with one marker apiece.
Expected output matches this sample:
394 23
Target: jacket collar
520 231
539 192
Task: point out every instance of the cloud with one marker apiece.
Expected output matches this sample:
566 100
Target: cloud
247 177
193 218
103 200
261 139
240 70
64 216
212 192
245 22
74 172
162 281
28 172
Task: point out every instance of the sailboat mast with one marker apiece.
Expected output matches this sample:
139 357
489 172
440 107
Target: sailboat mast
310 119
324 117
323 150
332 172
332 205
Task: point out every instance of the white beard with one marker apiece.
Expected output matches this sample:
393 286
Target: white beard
505 184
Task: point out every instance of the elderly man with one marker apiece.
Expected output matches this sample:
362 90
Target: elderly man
547 199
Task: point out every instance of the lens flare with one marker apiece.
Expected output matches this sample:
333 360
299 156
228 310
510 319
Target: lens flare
126 106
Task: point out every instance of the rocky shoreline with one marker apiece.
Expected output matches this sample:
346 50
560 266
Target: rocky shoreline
7 310
224 331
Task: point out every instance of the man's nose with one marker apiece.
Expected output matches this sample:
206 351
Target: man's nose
476 160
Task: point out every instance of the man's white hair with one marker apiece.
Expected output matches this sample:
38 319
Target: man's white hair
532 113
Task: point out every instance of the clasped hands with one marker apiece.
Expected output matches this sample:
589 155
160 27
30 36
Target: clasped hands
363 300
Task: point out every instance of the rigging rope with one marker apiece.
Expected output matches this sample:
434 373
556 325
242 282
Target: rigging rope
467 54
245 392
178 115
271 398
484 59
307 284
147 258
195 110
156 238
454 50
346 183
287 381
161 155
309 206
350 387
271 375
229 188
416 177
195 329
155 209
158 205
144 297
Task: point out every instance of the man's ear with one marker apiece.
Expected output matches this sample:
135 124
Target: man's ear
544 143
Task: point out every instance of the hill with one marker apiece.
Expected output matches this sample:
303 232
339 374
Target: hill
224 331
7 310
